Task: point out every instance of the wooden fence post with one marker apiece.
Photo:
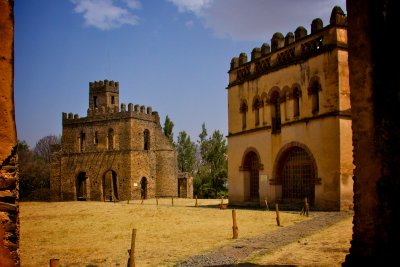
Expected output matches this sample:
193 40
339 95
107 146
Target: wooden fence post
172 201
234 227
157 200
266 204
132 262
196 202
277 214
142 200
54 262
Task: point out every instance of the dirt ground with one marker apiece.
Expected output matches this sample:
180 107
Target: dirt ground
99 234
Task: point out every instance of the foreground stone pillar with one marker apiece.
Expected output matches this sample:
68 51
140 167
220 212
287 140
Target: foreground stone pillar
9 220
375 101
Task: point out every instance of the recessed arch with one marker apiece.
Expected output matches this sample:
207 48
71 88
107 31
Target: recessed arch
110 185
143 188
146 139
273 92
82 184
251 166
275 102
243 111
313 91
295 169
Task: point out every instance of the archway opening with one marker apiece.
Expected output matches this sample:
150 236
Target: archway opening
143 187
81 186
297 175
110 186
251 167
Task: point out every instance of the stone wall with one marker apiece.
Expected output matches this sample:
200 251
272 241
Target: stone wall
9 211
375 100
126 143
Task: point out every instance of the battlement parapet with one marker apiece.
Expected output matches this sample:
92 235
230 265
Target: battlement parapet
106 85
103 113
292 48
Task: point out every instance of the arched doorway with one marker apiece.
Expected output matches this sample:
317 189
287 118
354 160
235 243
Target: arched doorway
251 166
81 186
110 185
297 172
143 187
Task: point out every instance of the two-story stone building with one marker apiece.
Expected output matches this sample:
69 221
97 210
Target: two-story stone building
289 120
116 152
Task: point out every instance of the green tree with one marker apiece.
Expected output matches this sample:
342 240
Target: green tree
34 174
202 142
216 159
211 177
186 153
168 126
34 168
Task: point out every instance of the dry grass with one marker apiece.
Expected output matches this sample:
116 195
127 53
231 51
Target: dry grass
99 234
328 247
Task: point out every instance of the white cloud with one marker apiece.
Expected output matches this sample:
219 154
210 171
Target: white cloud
195 6
133 4
257 19
107 14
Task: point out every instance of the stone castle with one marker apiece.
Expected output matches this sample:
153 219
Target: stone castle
116 152
289 120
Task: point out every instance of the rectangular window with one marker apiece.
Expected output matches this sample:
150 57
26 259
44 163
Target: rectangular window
112 100
96 138
95 101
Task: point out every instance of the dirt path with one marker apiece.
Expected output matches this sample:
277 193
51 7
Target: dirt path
263 244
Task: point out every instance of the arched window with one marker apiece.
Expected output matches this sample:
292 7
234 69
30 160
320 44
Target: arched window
275 113
313 92
296 102
256 107
110 139
243 110
146 139
82 141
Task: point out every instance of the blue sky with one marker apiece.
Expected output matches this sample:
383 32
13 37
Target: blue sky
172 55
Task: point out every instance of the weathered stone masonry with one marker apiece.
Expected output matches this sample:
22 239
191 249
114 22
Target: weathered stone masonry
9 219
116 152
289 120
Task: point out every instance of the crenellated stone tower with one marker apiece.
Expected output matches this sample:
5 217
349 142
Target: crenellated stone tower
114 153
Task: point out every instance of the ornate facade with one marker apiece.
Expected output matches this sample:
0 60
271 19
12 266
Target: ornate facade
289 120
117 152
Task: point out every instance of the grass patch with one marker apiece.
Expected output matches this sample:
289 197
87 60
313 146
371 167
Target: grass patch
99 233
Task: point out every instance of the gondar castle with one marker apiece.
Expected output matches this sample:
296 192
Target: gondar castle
116 152
289 120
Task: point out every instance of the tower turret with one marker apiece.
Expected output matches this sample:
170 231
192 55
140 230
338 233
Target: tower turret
103 93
